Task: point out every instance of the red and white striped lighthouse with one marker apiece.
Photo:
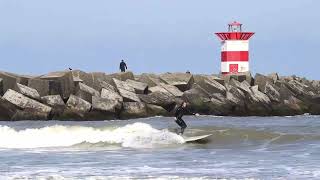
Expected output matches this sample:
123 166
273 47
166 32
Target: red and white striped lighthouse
234 49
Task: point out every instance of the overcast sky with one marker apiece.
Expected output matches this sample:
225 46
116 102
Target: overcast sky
37 36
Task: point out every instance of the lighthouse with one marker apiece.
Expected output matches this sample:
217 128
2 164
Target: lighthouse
234 49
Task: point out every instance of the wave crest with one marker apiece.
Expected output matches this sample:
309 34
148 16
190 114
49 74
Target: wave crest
133 135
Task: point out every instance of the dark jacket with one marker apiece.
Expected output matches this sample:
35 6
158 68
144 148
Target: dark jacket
181 111
123 66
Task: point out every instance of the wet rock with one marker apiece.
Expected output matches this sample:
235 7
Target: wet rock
261 81
172 89
26 103
7 110
85 92
150 79
27 91
61 82
198 100
104 109
165 100
42 86
154 110
77 106
258 103
133 110
183 81
139 87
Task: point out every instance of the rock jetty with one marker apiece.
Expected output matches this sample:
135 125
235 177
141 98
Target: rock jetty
78 95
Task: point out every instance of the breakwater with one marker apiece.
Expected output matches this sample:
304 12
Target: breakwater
78 95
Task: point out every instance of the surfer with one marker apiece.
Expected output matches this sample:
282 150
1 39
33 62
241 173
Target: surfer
181 110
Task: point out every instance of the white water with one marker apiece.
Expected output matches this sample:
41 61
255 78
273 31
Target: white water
133 135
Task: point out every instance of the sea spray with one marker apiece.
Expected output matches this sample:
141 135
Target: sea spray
133 135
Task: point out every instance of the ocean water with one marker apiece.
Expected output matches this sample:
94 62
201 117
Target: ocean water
240 148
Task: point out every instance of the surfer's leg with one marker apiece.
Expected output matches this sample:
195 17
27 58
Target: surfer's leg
183 126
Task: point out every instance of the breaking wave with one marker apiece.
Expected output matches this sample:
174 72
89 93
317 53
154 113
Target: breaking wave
133 135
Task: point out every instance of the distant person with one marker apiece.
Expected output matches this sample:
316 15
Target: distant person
188 72
123 66
181 110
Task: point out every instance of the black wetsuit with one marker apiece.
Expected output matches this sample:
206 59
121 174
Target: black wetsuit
123 66
179 113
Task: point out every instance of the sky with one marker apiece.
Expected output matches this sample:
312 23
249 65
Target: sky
39 36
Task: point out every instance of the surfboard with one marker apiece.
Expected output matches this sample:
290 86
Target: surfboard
196 138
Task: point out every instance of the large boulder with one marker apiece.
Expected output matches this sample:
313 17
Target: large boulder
300 89
172 89
183 81
139 87
9 81
104 109
27 104
111 95
150 79
85 92
56 103
199 100
7 110
158 89
122 85
61 82
237 99
1 86
238 77
272 92
258 103
261 81
165 100
154 110
42 86
76 108
212 86
274 77
244 85
27 91
123 76
93 79
133 110
126 91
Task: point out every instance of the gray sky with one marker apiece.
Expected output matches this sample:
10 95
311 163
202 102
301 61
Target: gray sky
37 36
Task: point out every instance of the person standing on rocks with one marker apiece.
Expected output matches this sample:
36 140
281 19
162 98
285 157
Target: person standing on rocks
123 66
181 110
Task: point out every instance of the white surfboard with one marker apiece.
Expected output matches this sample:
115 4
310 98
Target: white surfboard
196 138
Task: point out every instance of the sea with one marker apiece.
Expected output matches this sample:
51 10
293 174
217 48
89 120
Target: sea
239 148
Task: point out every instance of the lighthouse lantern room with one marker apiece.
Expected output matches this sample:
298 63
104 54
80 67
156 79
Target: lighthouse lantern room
234 49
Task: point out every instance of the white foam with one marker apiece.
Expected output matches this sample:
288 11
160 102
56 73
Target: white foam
132 135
